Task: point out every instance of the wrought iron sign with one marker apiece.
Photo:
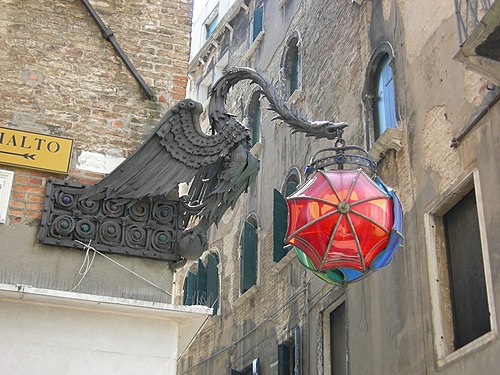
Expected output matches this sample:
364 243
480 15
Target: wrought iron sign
146 227
130 210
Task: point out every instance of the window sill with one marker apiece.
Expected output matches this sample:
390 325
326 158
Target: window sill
243 299
467 349
254 45
283 262
391 139
294 97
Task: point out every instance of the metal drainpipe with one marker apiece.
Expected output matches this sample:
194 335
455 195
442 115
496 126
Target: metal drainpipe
110 37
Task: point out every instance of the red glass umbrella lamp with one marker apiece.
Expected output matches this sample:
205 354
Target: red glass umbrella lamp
343 223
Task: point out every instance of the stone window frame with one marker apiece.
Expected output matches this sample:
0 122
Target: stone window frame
437 267
391 138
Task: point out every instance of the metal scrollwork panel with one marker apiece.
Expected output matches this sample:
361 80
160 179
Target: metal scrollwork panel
147 227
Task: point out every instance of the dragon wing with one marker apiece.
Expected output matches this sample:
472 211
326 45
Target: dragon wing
174 153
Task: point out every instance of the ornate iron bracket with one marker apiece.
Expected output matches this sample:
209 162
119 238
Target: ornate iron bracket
131 211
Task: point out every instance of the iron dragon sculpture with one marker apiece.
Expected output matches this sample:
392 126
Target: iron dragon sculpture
132 210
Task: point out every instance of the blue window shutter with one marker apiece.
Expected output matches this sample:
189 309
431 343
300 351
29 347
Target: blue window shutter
212 25
384 105
280 217
249 261
201 287
212 283
257 21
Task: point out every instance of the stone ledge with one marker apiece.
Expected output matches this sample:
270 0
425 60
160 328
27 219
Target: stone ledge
390 139
253 47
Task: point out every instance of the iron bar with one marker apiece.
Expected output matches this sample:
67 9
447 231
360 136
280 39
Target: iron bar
110 37
467 16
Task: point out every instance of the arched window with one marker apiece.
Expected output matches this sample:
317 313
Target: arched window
379 95
291 65
280 217
254 117
201 285
248 259
384 105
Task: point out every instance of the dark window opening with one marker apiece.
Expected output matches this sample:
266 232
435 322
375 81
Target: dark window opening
471 316
338 352
291 66
286 359
254 117
249 255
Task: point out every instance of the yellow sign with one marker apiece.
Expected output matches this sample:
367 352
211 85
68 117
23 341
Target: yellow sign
35 151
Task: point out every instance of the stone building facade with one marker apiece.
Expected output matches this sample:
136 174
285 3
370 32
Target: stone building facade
328 59
61 77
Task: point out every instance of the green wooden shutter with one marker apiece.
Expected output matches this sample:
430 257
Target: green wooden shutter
235 372
189 288
283 360
294 73
291 186
201 285
249 261
280 214
257 21
212 283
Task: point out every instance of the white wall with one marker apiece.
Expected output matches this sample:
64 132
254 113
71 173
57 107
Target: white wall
52 335
202 11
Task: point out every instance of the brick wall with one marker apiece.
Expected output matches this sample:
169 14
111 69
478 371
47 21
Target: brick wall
59 76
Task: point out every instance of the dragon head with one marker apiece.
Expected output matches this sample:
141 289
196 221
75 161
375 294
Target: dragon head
326 129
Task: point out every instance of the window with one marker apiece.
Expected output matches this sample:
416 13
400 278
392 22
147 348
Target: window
280 217
254 117
204 88
459 273
335 339
211 26
211 23
248 265
289 355
379 99
253 369
257 22
384 106
291 66
201 285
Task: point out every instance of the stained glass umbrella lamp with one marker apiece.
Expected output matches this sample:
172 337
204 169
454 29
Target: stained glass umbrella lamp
343 223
